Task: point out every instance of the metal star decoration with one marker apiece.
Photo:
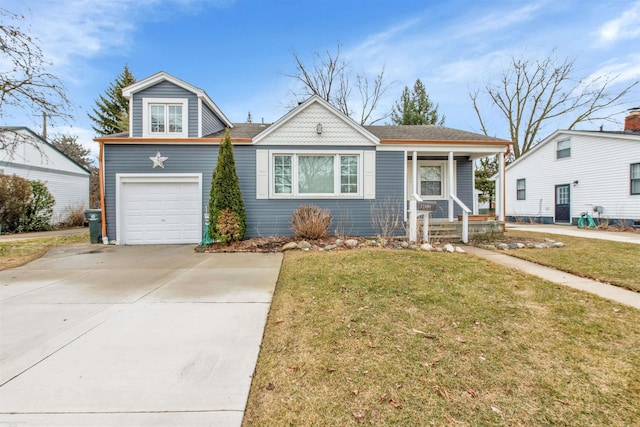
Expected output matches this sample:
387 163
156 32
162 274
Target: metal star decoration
158 160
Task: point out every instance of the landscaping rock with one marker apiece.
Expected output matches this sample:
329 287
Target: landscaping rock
502 246
530 245
351 243
548 240
289 246
426 247
540 246
439 250
329 247
520 245
304 245
557 245
460 250
338 241
490 247
513 246
404 244
448 247
373 243
414 247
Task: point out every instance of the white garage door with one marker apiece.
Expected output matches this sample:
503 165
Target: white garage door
160 212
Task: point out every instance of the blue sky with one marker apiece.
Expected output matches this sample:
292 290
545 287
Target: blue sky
239 51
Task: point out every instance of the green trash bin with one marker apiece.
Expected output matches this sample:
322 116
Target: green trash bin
94 218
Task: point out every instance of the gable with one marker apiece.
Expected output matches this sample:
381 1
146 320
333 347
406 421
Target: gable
31 151
315 123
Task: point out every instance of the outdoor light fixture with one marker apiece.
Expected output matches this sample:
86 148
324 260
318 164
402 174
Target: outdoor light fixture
575 182
319 128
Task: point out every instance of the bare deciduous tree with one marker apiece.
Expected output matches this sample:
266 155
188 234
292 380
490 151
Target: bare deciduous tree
331 78
530 93
25 82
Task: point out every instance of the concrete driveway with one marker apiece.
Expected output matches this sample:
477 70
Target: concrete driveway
132 335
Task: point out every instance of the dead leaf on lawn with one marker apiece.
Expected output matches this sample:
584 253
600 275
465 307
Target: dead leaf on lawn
271 387
496 410
460 339
355 392
398 386
564 402
294 368
278 320
441 392
395 404
383 397
331 370
399 349
372 345
359 416
418 331
472 393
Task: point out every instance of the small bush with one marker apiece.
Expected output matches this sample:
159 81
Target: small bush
15 197
310 222
73 216
37 216
228 226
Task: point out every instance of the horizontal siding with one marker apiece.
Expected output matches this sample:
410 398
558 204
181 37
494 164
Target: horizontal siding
269 217
600 164
135 159
164 90
210 122
69 191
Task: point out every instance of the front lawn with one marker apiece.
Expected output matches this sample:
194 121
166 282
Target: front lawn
17 253
383 337
611 262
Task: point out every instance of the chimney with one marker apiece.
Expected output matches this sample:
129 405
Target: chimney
632 121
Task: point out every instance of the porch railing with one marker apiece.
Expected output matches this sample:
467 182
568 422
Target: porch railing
465 217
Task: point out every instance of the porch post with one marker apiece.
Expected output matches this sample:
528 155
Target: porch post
500 185
451 189
413 203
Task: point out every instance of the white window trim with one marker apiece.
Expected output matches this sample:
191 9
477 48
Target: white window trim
146 117
336 185
445 176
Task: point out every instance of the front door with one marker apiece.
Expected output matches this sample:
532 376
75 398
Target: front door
563 206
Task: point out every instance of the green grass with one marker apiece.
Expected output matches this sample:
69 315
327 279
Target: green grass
611 262
17 253
413 338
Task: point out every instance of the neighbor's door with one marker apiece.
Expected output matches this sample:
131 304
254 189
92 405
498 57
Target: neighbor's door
563 206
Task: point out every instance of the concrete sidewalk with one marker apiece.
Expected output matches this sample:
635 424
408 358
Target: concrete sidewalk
570 230
603 290
132 335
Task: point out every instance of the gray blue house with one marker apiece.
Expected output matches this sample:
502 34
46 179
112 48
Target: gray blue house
157 176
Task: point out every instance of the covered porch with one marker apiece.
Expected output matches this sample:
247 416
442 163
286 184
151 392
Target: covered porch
439 188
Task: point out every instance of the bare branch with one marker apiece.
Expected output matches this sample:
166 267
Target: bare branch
532 93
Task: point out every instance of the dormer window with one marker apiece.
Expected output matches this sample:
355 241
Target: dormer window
165 117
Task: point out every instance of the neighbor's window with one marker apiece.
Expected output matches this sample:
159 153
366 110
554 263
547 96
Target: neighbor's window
521 186
564 149
431 180
315 174
635 178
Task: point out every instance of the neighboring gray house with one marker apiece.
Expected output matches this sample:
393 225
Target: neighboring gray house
571 172
24 153
157 177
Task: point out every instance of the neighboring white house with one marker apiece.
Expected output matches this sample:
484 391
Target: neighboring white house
571 172
24 153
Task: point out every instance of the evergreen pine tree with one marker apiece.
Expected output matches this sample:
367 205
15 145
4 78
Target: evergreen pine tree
111 113
415 108
227 215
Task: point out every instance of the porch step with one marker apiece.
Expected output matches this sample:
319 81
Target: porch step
441 232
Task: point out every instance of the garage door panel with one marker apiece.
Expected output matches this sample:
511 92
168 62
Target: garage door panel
160 212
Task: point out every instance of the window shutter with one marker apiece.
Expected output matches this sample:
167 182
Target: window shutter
369 172
262 174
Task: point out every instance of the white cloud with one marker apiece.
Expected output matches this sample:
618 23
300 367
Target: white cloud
625 26
624 70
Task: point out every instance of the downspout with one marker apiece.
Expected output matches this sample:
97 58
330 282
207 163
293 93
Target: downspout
101 184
